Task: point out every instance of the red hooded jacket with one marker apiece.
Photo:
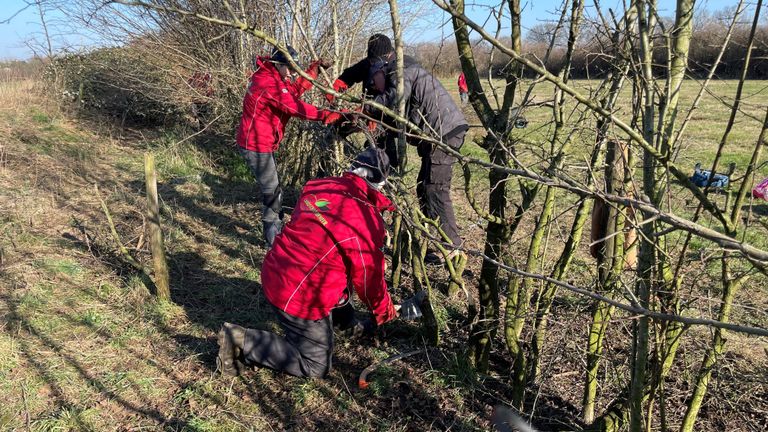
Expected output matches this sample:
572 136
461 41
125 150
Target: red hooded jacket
268 105
334 240
463 84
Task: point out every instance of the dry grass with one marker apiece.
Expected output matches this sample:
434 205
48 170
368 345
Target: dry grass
17 94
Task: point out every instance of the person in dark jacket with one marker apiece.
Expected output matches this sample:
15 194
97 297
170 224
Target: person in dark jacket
379 46
334 240
433 110
271 100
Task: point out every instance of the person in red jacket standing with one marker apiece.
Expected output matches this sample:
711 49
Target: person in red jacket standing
334 240
463 90
271 100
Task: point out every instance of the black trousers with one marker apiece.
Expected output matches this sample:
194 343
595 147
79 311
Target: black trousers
263 168
305 349
433 186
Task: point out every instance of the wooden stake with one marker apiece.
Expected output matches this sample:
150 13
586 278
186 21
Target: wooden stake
156 243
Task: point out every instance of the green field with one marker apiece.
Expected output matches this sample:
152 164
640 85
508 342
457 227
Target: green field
705 130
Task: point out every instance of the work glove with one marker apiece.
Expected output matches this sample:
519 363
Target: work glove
410 309
338 85
365 327
336 117
371 124
339 117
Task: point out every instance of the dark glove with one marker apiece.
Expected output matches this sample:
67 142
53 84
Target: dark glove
410 309
365 327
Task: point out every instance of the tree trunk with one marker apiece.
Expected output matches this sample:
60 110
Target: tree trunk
484 331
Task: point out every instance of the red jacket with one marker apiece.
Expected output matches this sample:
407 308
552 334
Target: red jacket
268 105
201 84
335 235
463 84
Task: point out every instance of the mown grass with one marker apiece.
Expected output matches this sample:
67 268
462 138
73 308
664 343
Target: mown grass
702 136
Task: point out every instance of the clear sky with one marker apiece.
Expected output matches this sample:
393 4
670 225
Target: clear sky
16 32
21 30
21 35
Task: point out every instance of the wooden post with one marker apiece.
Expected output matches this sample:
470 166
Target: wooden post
159 264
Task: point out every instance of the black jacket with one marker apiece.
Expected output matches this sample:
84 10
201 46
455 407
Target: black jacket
428 104
357 73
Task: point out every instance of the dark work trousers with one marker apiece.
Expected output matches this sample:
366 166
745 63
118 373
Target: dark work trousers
433 186
304 350
263 167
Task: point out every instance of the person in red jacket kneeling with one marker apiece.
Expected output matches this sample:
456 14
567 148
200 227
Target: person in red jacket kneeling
271 100
334 240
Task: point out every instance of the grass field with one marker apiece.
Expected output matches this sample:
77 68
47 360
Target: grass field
707 124
83 346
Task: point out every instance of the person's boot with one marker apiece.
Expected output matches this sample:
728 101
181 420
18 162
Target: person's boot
231 338
271 230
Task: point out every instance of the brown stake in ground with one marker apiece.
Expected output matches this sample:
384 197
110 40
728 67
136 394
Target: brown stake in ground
159 263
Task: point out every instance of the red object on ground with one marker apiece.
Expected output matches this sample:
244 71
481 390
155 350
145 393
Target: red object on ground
336 234
463 84
761 190
268 105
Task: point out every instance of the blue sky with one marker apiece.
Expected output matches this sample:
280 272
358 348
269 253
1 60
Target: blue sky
21 31
16 35
22 28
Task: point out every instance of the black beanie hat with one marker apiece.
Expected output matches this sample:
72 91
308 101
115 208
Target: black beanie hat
278 56
379 45
376 162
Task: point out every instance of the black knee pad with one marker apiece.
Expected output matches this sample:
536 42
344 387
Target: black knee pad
273 200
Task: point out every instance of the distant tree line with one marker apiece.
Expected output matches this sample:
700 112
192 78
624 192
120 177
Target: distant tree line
592 56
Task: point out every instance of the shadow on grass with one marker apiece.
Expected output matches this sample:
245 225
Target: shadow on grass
757 209
209 296
31 350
